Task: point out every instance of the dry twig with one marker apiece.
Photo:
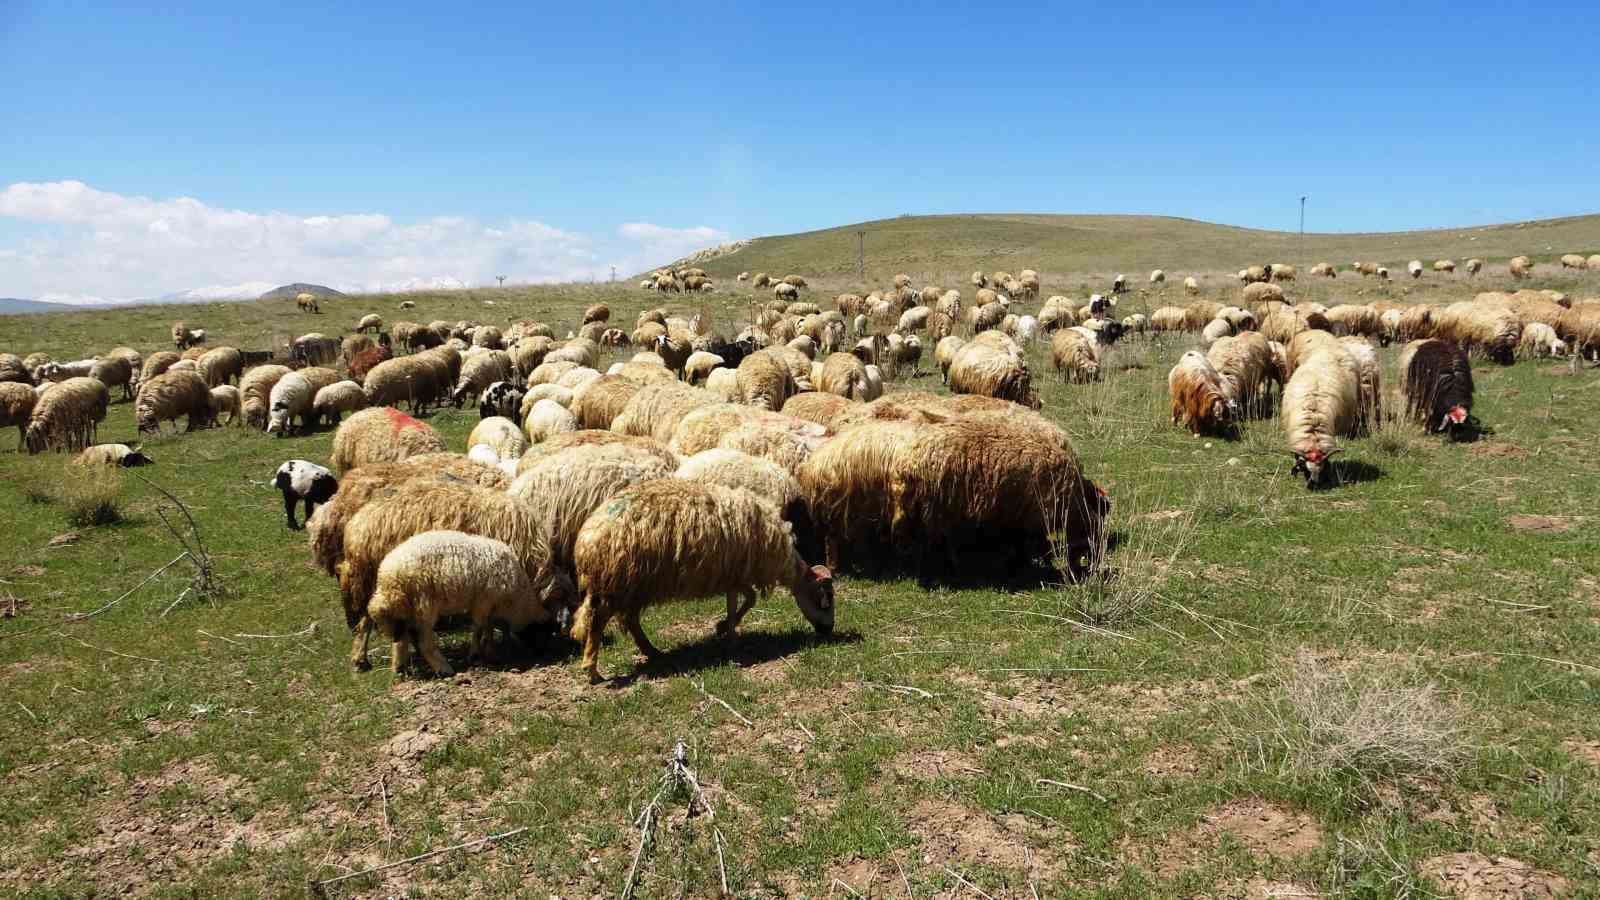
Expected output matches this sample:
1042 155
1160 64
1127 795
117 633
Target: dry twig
317 886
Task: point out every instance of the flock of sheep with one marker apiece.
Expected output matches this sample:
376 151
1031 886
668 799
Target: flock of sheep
703 465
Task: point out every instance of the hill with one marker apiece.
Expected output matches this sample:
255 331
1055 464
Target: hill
16 306
946 248
289 291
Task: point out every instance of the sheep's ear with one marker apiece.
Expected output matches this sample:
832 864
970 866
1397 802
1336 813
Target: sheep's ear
821 574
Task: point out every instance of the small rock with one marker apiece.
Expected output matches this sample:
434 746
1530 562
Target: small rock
62 540
1233 460
1208 445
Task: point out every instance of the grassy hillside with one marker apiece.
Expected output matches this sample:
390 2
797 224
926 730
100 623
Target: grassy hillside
1273 692
944 247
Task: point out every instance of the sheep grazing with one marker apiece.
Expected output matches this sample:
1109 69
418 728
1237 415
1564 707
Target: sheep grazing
381 434
1320 403
1414 268
478 371
114 372
370 322
302 481
418 380
292 397
166 397
1491 330
225 398
671 539
437 574
657 408
1349 318
184 337
419 506
1075 353
1474 266
17 400
1282 272
993 367
1199 401
1539 339
315 349
306 302
1119 284
1190 285
765 379
1169 318
843 374
1157 276
1520 267
1245 368
1437 385
255 389
1447 266
222 365
66 416
1324 270
14 370
1593 262
546 419
1369 382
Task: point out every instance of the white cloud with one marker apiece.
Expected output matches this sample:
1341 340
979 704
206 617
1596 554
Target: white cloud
80 244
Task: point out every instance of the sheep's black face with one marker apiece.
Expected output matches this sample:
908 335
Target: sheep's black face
136 459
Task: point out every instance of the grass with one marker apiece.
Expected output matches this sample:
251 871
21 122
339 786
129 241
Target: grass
223 748
90 495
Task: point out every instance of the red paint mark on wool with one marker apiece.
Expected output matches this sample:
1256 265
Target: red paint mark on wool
399 421
1314 455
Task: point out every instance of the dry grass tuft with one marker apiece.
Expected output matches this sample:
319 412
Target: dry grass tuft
1396 436
1138 548
1370 722
90 495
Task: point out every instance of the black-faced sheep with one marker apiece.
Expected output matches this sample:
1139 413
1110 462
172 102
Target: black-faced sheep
1437 385
118 455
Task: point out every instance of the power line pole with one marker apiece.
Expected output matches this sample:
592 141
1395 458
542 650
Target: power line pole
1302 227
501 279
613 273
861 254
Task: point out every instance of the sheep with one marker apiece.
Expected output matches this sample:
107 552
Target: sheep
331 402
904 351
982 368
66 416
1255 274
500 436
1593 262
1076 355
1366 269
1190 285
306 302
1324 270
174 394
1539 339
1520 266
705 427
1492 331
116 455
844 375
599 401
291 397
547 418
1414 268
255 387
1214 330
1474 266
944 353
325 529
1349 318
417 380
380 434
1448 266
760 280
113 372
671 539
1261 292
420 506
655 409
818 406
1199 400
185 337
1572 260
61 371
303 481
1320 404
766 479
370 322
478 371
17 400
1138 323
564 487
14 370
1283 272
1169 318
765 379
158 363
221 365
1244 367
315 349
1369 382
437 574
1119 284
225 398
1157 276
1436 382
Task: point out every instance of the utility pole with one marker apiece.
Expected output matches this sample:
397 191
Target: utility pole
1302 228
861 255
501 279
613 273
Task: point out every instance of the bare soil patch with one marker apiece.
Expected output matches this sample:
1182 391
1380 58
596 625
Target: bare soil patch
952 833
1262 828
1542 524
1173 761
1588 751
1498 450
929 765
1474 876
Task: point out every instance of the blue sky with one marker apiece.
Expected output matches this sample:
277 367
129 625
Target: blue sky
525 137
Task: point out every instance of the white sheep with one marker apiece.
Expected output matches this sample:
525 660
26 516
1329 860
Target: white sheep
300 480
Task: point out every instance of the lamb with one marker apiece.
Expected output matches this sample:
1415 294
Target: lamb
225 398
1320 404
66 416
255 388
370 322
547 418
1539 339
292 397
116 455
765 379
420 506
17 400
993 369
437 574
671 539
166 397
185 337
303 481
380 434
1437 385
1199 400
504 398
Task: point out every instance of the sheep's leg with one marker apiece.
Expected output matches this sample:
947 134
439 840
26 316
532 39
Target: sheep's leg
428 646
736 617
482 642
591 644
311 507
288 509
402 655
636 630
358 646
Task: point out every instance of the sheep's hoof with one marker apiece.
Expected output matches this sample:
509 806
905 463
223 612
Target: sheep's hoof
724 629
595 677
361 665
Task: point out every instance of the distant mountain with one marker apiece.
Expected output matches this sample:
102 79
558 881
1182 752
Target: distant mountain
10 306
288 292
249 290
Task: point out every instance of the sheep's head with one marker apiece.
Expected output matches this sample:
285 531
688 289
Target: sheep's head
813 593
1313 464
135 457
1454 419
